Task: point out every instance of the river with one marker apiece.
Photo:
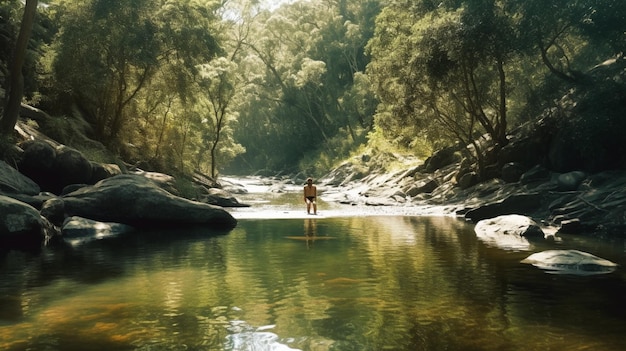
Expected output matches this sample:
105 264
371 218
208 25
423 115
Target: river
350 278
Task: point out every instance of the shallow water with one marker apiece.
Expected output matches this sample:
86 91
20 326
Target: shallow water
362 282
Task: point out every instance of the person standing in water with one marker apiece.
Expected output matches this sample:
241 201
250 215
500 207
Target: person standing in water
310 193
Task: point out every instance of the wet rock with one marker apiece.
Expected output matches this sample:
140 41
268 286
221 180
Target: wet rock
21 226
54 210
77 230
511 232
570 262
138 201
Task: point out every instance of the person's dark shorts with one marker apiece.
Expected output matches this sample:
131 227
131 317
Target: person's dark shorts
310 198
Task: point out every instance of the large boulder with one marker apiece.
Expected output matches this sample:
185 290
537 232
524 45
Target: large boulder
570 262
103 171
221 198
511 232
13 182
162 180
71 167
52 168
138 201
21 226
37 162
441 158
514 204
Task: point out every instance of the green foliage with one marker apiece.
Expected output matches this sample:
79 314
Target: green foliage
11 12
308 86
447 75
324 158
172 86
66 130
595 125
130 68
454 70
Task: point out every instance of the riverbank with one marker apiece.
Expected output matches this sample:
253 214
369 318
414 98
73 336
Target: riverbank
276 198
565 203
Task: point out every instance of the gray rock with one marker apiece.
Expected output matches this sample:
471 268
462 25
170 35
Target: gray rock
164 181
570 262
441 158
71 167
511 232
221 198
571 226
468 180
13 182
37 162
138 201
54 168
53 210
513 204
525 150
422 187
537 173
512 172
77 230
20 224
102 171
571 180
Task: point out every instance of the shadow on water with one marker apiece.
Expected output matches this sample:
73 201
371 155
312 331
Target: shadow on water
86 262
311 284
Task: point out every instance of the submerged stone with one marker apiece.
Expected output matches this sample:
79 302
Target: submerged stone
570 262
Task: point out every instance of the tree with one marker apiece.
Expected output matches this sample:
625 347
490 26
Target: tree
571 36
444 70
301 61
16 87
219 84
110 54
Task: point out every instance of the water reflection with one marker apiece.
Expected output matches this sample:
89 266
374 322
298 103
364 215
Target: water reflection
359 283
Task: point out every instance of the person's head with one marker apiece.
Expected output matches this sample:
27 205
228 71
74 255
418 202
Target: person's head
309 180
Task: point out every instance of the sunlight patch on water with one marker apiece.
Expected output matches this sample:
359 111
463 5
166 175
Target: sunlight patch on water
247 338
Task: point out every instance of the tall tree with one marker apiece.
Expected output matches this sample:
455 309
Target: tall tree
443 69
308 54
109 54
219 83
16 87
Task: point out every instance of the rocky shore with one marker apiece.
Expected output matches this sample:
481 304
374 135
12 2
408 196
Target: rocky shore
565 170
53 192
573 202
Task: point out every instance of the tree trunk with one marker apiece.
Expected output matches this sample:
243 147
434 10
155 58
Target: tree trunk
16 85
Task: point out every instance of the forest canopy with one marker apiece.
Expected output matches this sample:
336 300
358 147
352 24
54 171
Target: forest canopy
237 86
